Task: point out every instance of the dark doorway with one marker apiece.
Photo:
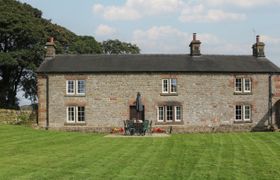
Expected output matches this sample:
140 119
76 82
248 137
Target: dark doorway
277 113
133 113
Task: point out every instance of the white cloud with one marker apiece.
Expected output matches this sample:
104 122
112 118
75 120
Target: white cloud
199 13
160 39
136 9
116 13
98 8
166 39
103 30
189 11
155 6
244 3
228 48
270 39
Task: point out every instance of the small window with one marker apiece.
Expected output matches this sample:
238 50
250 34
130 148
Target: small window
75 87
75 114
238 85
177 113
81 114
243 85
160 113
70 86
169 86
247 112
71 114
242 113
81 87
169 113
238 113
165 86
247 84
173 85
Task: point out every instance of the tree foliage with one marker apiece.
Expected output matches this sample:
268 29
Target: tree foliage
23 34
20 48
118 47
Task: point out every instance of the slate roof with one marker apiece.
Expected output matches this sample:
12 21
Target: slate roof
157 63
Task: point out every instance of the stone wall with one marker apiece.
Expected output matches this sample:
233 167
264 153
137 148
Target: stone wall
208 100
42 100
276 101
8 116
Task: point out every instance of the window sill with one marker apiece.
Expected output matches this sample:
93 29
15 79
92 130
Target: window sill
75 95
169 123
242 93
242 122
75 124
169 94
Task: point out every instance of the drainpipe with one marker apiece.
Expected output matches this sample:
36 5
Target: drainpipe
270 101
47 103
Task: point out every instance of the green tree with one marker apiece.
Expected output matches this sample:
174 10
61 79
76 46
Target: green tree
118 47
21 49
23 34
85 45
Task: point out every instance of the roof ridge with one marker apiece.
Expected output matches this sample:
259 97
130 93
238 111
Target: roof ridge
247 55
119 54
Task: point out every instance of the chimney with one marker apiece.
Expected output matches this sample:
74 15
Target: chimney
50 46
258 48
195 46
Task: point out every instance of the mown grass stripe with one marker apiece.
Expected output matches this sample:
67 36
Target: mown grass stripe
26 153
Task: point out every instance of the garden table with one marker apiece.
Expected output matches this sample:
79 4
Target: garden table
138 126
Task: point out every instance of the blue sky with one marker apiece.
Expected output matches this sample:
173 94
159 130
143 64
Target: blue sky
166 26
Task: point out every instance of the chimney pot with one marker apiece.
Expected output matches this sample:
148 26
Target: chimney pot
50 53
194 36
257 39
258 48
195 46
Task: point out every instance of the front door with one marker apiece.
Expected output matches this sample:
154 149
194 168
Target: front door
133 114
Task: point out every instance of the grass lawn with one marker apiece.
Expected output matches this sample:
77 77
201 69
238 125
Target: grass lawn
26 153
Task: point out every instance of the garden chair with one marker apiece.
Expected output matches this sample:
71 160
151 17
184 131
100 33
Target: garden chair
130 127
150 127
126 130
145 127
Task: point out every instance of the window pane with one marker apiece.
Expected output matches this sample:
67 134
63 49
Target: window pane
71 114
169 113
81 114
178 113
70 87
164 85
81 86
160 113
238 112
247 112
247 85
173 85
238 84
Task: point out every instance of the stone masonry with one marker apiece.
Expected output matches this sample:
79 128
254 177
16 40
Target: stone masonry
208 100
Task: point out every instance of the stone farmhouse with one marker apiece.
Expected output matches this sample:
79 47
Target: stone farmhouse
188 92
